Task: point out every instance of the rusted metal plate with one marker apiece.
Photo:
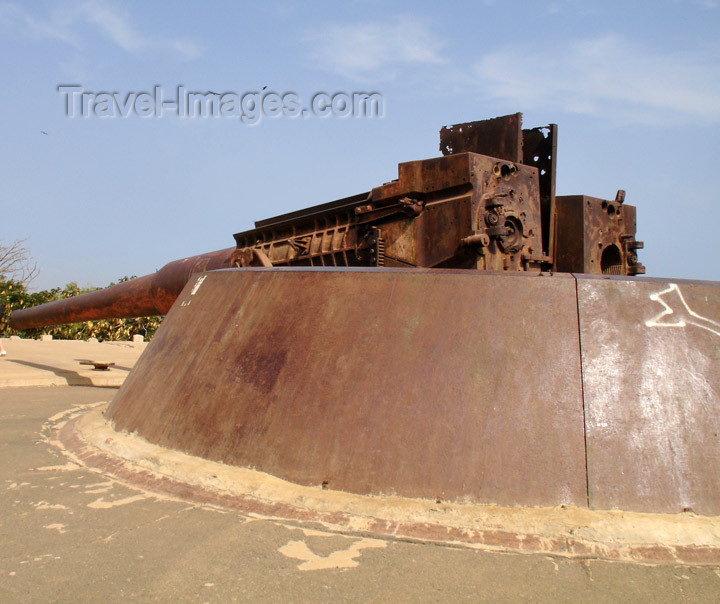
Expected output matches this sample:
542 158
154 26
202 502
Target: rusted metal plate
540 151
99 365
651 374
438 384
499 137
596 236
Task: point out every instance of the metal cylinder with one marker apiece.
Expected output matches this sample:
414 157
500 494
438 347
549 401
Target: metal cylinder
141 297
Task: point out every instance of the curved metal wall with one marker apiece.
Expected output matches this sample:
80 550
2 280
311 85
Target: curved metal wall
455 385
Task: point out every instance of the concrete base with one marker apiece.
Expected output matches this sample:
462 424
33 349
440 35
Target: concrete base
453 385
88 440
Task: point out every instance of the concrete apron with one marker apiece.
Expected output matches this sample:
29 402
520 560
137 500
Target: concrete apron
87 439
452 386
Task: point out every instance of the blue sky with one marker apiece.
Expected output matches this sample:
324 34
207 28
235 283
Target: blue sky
633 86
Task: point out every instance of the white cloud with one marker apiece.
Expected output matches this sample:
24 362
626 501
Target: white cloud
66 23
55 27
708 4
606 76
375 50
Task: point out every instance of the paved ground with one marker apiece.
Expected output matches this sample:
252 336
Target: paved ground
57 362
69 534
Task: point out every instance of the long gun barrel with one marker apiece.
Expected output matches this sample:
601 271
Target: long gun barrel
488 204
142 297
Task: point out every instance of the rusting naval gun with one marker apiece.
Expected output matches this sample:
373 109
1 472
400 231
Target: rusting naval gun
487 204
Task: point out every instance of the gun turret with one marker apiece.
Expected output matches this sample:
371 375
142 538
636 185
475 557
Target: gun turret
488 203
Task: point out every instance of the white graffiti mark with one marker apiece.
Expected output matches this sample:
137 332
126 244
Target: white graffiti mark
677 313
197 285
